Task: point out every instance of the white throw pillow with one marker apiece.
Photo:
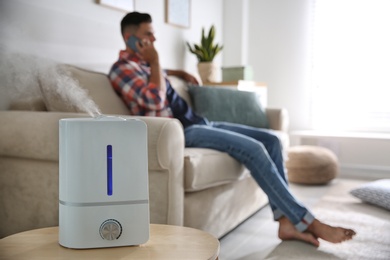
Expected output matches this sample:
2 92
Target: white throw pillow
61 92
377 193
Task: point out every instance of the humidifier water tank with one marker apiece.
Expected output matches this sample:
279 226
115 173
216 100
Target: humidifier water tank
103 194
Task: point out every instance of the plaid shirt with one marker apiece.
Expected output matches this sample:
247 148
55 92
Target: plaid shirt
129 77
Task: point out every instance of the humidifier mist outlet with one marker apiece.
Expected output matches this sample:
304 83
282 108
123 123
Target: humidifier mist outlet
103 183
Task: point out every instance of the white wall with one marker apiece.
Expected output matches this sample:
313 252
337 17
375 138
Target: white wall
282 41
278 49
76 32
235 35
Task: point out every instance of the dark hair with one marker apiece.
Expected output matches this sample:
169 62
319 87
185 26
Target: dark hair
134 19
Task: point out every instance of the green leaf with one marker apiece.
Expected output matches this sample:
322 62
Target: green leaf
206 50
212 33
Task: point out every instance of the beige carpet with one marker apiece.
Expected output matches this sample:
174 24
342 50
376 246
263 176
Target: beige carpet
339 208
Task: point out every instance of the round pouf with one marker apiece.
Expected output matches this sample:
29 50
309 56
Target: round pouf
311 165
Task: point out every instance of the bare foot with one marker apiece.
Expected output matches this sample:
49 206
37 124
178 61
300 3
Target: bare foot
329 233
287 231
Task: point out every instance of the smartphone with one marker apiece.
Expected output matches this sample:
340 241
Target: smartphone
131 42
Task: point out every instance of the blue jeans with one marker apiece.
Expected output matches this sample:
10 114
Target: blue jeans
261 153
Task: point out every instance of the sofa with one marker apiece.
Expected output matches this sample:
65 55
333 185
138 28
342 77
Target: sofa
198 188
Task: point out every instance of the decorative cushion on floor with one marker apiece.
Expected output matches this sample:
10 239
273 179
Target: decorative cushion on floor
311 165
377 193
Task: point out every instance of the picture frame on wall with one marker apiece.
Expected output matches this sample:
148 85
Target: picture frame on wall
178 13
122 5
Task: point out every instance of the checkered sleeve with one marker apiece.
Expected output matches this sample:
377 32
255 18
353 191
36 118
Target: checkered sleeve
132 83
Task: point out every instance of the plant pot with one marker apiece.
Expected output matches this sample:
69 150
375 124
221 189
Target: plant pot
208 71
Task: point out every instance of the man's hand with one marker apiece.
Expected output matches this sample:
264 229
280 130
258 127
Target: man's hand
183 75
147 51
189 78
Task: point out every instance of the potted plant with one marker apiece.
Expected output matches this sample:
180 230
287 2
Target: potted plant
205 53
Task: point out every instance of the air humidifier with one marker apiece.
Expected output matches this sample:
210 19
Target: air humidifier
103 182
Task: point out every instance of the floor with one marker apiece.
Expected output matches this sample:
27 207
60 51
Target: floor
257 237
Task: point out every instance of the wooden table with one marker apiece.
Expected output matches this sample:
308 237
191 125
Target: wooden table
166 242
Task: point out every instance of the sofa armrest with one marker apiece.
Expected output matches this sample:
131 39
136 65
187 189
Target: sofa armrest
166 170
30 134
34 135
165 142
278 119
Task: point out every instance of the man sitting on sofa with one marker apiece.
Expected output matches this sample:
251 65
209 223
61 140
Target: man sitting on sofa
138 78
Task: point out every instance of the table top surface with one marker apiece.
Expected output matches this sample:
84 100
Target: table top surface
166 242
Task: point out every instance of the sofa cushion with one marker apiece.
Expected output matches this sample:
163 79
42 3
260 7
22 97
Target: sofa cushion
66 88
230 105
61 92
100 90
205 168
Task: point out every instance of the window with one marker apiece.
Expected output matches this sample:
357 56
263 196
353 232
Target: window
351 65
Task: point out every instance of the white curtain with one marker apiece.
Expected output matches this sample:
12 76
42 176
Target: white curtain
351 65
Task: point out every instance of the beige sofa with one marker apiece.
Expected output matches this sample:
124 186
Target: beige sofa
198 188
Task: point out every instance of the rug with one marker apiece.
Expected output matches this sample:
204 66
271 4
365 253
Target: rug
339 208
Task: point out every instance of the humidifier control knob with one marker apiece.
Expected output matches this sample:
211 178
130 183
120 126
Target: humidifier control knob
110 229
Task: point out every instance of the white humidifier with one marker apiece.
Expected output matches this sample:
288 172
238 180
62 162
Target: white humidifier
103 194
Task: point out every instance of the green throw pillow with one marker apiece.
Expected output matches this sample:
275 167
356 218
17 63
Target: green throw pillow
229 105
